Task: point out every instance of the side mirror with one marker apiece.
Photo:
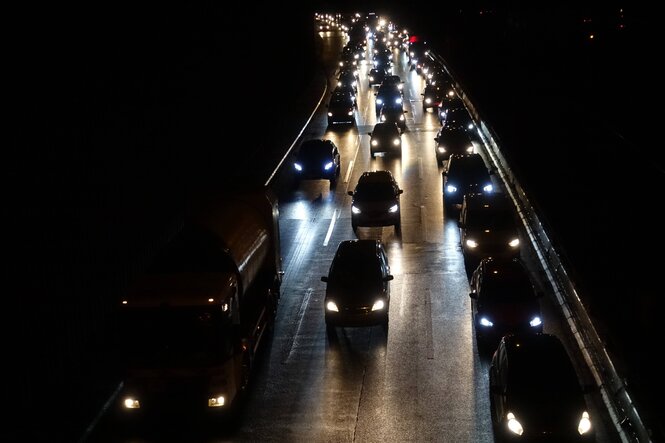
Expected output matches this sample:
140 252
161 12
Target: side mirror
369 133
400 191
436 139
350 193
473 295
324 278
388 278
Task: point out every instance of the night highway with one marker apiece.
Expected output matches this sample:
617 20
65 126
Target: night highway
423 378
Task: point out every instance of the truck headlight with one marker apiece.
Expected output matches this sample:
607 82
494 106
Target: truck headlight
131 403
514 425
585 423
378 305
216 402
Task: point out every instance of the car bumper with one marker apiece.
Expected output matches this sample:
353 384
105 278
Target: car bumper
357 318
383 219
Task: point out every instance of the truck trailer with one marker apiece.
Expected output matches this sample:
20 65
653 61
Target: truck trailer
193 324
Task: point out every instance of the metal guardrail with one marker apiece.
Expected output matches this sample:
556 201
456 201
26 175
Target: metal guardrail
620 407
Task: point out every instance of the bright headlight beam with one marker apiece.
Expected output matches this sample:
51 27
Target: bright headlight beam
514 425
472 243
514 243
585 424
488 188
393 208
297 166
331 306
328 165
484 321
451 189
378 305
355 210
535 321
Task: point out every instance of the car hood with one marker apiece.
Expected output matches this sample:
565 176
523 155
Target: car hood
510 314
557 414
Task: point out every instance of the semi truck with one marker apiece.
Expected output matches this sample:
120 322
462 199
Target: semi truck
194 322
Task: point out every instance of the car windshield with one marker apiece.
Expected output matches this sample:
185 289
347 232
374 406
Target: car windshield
374 192
315 151
385 131
353 268
540 374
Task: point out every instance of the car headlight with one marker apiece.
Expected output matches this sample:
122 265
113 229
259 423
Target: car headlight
585 423
411 53
131 403
378 305
216 402
535 321
441 149
488 188
393 208
514 243
297 166
350 112
514 426
484 321
397 141
401 117
371 78
330 114
428 100
470 149
379 101
451 189
356 56
400 86
472 243
328 165
398 101
383 118
470 126
339 84
355 209
341 63
331 306
354 84
375 143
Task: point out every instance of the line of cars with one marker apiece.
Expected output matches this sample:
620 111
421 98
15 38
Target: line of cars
535 393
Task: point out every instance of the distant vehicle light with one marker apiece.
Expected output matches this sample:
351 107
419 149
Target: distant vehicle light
397 141
470 149
484 321
514 243
535 321
451 93
379 101
371 78
393 209
428 100
470 126
472 244
441 149
330 114
488 188
375 143
451 189
297 166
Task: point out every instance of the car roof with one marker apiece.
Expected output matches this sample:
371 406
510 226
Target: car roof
488 202
364 247
385 126
376 177
316 146
505 272
466 159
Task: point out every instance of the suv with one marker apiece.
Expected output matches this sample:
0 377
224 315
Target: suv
376 200
465 174
488 228
341 109
503 300
385 137
452 140
357 291
535 393
317 159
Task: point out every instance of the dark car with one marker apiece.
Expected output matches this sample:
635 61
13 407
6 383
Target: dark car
503 300
347 79
394 80
385 137
341 109
376 200
488 226
388 95
535 394
393 113
347 91
317 159
375 76
453 112
452 140
358 288
433 96
465 174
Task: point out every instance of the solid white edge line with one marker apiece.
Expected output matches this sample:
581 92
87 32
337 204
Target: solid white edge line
348 172
288 151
